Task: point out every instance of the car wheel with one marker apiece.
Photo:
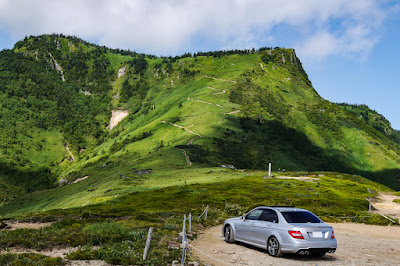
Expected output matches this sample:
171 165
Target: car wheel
229 234
273 247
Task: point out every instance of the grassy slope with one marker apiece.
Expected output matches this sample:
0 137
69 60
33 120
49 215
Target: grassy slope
248 131
291 132
374 119
120 225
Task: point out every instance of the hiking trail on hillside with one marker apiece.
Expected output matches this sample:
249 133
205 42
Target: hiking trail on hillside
182 127
386 206
70 153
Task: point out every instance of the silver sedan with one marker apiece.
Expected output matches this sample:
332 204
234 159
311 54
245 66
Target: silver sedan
282 230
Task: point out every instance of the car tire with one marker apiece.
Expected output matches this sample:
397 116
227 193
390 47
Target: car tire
274 247
228 234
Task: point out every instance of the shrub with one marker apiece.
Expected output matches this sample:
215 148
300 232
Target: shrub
27 259
106 232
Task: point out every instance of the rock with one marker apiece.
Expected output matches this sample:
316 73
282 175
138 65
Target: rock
121 71
63 182
173 245
175 263
194 263
141 172
228 166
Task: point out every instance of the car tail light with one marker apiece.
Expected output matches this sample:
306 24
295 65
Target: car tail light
296 234
333 234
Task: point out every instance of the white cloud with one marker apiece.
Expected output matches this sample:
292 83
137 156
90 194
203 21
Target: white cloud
322 28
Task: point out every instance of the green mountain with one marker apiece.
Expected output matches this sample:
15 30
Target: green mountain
373 118
187 114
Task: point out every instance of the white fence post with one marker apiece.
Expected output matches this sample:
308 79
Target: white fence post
184 241
205 215
146 249
269 170
190 222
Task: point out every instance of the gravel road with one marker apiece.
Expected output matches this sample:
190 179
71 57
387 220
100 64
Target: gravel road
358 244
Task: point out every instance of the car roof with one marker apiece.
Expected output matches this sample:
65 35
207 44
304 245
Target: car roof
282 208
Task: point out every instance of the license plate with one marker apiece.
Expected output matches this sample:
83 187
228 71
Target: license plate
317 234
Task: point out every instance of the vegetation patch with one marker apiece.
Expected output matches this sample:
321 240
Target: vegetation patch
29 259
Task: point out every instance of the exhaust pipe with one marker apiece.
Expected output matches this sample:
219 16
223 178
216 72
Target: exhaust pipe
304 252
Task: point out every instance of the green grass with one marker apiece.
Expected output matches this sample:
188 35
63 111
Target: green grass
29 259
115 230
333 194
93 190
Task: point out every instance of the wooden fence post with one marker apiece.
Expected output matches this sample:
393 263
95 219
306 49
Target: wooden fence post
146 249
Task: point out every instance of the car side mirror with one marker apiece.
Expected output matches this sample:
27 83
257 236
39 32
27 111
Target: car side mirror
242 217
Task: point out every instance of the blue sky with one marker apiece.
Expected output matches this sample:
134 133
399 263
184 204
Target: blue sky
350 49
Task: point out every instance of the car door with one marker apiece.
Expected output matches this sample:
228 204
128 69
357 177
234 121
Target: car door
244 227
263 226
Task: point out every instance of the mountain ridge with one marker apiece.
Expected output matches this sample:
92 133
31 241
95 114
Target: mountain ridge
268 112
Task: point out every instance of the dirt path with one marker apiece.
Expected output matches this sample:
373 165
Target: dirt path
184 128
221 92
358 244
116 117
14 225
227 80
301 178
70 153
386 205
201 101
188 161
233 112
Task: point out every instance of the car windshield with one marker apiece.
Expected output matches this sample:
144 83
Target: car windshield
300 217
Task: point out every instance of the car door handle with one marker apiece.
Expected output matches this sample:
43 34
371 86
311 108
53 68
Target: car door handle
252 223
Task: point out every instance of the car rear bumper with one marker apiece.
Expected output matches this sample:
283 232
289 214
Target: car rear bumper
310 246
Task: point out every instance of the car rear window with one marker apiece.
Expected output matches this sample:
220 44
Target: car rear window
300 217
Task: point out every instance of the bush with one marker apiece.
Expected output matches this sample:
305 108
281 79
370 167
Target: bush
107 232
27 259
